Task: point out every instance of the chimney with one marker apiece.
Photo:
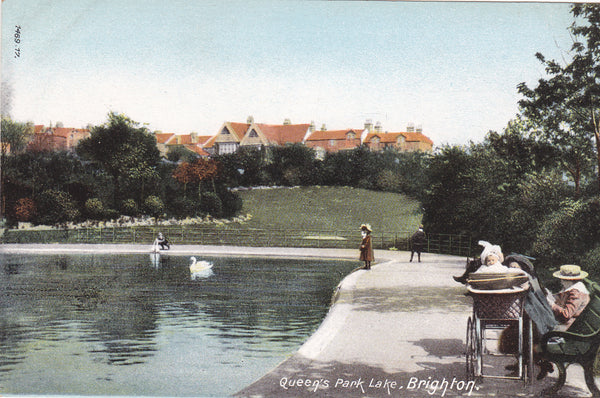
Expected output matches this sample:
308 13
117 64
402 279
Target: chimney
287 122
419 128
312 126
410 128
250 119
324 127
369 125
194 137
378 128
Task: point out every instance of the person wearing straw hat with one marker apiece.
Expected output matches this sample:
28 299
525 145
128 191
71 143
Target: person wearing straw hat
570 301
366 247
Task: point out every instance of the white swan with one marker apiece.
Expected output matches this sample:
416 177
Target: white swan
199 266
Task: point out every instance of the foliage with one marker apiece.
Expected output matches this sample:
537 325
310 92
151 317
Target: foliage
565 107
181 153
195 172
129 207
570 232
94 209
591 261
154 206
16 134
125 151
54 207
210 203
25 209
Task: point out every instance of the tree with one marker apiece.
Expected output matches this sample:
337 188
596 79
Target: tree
566 105
124 150
16 134
195 172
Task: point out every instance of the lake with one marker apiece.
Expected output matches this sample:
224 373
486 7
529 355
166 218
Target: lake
141 324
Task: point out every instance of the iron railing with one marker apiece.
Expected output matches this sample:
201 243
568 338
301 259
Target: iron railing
240 236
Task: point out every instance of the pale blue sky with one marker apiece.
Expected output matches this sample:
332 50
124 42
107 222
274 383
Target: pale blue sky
184 66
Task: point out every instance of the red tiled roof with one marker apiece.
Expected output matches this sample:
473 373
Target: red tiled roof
162 138
384 137
284 133
332 134
197 149
239 129
414 136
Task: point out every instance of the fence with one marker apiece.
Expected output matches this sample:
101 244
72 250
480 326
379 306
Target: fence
239 236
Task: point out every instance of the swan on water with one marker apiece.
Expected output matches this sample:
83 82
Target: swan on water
199 266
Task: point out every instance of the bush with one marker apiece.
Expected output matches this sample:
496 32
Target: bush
591 261
154 206
231 202
55 207
25 209
210 203
389 181
129 208
181 207
568 234
94 209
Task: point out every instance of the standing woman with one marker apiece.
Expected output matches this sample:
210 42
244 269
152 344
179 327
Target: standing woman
366 248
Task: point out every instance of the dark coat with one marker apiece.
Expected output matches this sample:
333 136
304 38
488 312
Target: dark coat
366 249
418 240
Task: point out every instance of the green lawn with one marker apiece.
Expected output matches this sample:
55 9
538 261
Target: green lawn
330 208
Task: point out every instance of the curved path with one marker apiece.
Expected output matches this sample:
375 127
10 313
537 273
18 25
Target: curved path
397 330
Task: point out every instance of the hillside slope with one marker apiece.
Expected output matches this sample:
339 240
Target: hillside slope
330 208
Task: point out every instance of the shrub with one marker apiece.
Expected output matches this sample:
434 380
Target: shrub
389 181
569 233
55 207
591 261
25 209
154 206
94 208
129 208
231 202
182 207
211 203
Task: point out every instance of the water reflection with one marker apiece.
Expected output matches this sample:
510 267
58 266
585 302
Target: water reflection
148 313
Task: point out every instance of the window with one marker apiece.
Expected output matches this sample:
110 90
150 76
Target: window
350 135
253 133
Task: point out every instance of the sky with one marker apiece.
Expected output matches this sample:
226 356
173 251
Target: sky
188 66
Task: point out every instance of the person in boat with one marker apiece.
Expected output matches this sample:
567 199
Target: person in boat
162 242
366 246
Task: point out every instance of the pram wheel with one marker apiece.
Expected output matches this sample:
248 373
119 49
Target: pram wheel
472 351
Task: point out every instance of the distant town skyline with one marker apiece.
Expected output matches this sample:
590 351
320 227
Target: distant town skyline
180 67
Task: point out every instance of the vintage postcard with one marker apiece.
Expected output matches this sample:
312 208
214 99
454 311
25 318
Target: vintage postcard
275 198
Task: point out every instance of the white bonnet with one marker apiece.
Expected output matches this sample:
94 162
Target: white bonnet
488 249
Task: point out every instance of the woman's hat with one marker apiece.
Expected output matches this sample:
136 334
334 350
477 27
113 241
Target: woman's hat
570 272
366 226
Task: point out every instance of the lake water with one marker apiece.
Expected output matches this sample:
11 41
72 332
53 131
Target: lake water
141 325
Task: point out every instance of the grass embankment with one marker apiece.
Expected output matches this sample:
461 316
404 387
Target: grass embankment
330 208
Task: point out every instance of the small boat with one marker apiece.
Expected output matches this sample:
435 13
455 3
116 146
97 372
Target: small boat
199 266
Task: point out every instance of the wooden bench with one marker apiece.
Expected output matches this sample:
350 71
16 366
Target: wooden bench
579 344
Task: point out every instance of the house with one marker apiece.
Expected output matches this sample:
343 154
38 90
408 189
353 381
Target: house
411 140
192 142
57 138
324 140
260 135
228 138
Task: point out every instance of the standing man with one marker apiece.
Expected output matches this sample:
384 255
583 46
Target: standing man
417 241
366 247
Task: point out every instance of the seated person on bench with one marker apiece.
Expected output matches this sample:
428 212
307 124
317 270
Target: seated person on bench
570 301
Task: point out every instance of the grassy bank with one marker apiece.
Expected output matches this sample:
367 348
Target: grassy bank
330 208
